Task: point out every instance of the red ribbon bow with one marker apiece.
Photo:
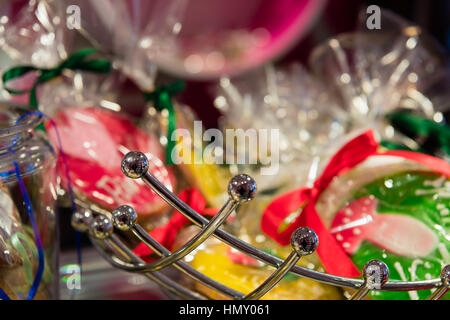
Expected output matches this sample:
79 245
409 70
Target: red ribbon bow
166 233
333 257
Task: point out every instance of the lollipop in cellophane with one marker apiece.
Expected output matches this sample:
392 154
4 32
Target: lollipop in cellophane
85 118
133 41
197 39
380 77
372 203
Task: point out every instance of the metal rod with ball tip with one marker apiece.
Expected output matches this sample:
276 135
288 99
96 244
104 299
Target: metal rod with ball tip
125 219
445 284
100 228
376 274
304 241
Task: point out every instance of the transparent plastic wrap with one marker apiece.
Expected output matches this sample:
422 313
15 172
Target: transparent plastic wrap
76 89
133 42
374 73
31 34
196 39
290 101
207 176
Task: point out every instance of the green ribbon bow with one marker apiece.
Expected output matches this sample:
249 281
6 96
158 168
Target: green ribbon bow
413 126
162 99
76 61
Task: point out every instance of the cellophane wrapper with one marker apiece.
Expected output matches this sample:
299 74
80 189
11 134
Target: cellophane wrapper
87 121
137 34
371 73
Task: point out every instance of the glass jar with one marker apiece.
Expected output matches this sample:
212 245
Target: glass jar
24 147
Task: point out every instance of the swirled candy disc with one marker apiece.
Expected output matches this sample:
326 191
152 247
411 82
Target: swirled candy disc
401 218
94 141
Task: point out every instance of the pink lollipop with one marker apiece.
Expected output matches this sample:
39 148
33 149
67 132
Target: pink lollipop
396 233
197 39
94 141
228 37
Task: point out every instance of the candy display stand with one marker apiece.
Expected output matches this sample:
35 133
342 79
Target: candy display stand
104 233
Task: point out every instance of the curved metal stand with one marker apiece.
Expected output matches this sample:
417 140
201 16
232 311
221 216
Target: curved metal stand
242 188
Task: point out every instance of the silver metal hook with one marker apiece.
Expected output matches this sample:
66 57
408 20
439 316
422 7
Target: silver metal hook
238 244
159 278
125 218
100 228
376 274
304 241
191 245
241 189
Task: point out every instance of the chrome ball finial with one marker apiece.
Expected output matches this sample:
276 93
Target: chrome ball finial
81 220
304 241
376 273
101 227
445 275
124 217
242 188
134 164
